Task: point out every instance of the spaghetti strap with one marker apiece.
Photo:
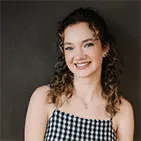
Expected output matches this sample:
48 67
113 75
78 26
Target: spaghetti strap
54 106
111 118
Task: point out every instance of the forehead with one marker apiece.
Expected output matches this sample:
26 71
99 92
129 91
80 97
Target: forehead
77 32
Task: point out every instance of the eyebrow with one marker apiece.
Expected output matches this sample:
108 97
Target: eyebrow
82 42
89 39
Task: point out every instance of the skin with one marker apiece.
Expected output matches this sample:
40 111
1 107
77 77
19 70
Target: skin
78 49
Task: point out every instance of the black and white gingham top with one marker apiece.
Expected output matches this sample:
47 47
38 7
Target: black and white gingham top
67 127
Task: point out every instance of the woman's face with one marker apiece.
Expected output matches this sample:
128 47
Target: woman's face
83 54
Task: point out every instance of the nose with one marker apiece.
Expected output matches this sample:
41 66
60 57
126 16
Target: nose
79 54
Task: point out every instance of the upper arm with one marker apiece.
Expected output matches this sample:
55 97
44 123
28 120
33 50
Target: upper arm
36 117
125 130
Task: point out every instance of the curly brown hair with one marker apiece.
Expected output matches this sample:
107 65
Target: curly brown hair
62 83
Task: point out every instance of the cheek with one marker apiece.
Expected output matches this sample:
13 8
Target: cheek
96 54
68 58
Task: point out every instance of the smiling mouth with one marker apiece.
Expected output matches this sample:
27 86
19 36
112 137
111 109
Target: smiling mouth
82 65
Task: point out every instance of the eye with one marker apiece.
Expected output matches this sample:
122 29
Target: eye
88 45
68 48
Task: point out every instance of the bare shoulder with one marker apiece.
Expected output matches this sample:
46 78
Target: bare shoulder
40 93
125 121
125 106
37 114
126 110
39 100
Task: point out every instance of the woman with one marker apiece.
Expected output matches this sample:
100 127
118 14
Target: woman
82 103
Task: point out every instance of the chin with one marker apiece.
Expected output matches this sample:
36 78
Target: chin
83 74
89 72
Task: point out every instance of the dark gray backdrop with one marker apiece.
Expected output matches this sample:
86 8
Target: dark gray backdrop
29 53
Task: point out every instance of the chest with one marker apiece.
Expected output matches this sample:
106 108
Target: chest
93 110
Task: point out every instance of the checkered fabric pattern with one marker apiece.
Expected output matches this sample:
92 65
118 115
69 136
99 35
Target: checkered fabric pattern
67 127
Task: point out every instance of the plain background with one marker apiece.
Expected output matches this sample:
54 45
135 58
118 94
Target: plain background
29 53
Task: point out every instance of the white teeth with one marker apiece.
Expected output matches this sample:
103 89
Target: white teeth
80 65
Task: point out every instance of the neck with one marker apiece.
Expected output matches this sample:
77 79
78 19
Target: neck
87 88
